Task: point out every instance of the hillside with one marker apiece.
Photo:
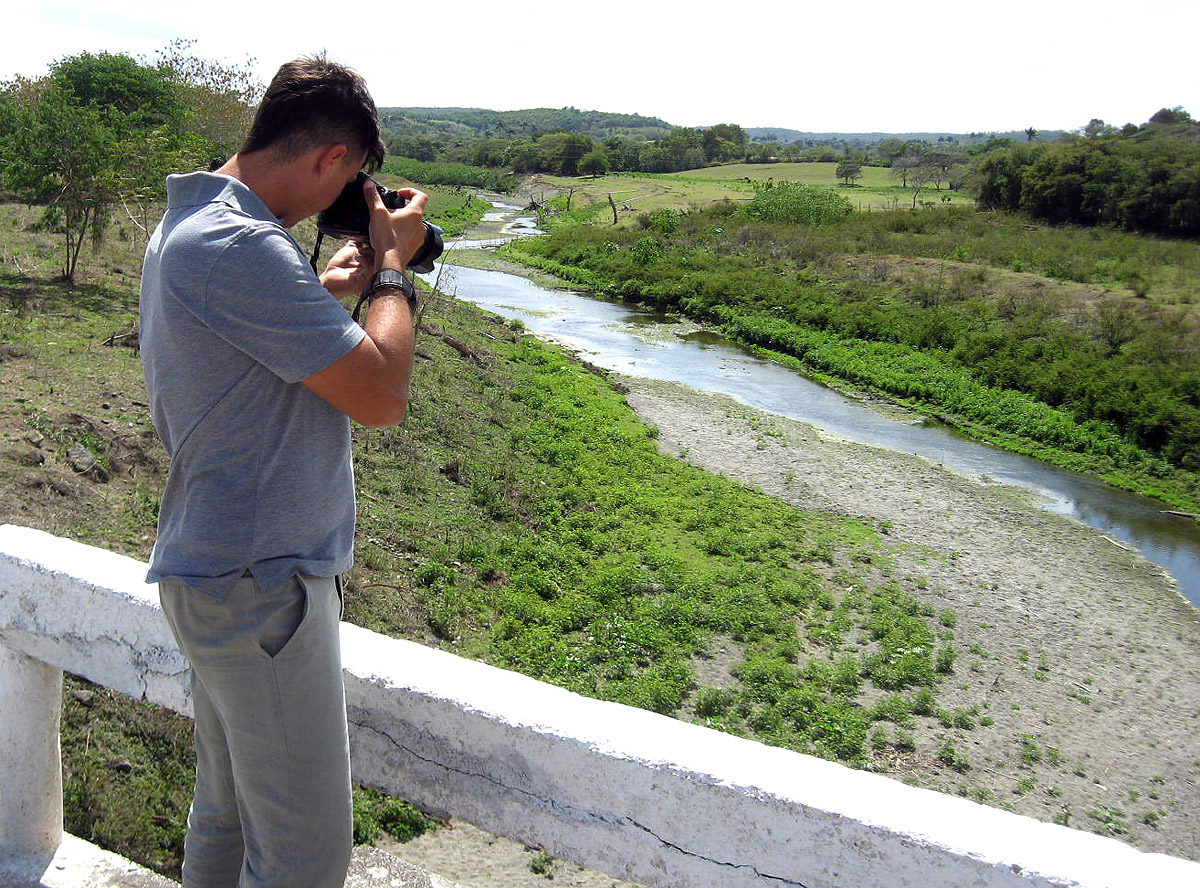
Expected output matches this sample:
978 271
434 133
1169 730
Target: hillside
479 123
783 135
482 122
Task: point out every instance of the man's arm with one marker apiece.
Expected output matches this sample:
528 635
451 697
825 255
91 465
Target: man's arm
370 383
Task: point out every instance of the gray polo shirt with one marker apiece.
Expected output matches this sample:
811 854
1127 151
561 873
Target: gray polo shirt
232 320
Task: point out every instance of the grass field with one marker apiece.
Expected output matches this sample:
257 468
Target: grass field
876 190
632 193
635 193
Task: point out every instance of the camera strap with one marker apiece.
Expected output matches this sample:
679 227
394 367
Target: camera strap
316 253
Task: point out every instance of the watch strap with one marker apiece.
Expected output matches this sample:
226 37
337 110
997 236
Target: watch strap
391 279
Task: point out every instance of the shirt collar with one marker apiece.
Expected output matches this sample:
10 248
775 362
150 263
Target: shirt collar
196 189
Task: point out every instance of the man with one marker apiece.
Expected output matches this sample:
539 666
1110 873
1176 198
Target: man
254 370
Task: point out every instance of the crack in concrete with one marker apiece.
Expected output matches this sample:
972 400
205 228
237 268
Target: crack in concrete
575 813
550 803
759 873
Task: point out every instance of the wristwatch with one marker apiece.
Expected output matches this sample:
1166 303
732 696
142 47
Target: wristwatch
390 279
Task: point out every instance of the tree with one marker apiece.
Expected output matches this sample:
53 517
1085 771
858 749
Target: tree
1097 128
1145 181
220 98
523 156
763 152
120 89
594 163
724 142
848 171
560 153
1030 134
917 172
941 163
1171 115
415 146
622 152
489 152
62 157
101 132
889 149
902 167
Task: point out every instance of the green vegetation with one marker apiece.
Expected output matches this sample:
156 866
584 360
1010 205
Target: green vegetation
542 864
1102 382
127 775
458 174
559 542
796 203
458 123
375 812
1137 178
876 187
522 516
102 131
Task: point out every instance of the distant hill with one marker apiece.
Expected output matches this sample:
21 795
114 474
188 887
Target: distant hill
484 123
782 135
470 124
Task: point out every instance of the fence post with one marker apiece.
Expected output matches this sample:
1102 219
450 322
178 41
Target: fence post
31 806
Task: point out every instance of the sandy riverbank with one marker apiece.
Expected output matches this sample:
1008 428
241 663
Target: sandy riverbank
1078 652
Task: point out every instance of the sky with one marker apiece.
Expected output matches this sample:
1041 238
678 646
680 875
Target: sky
870 66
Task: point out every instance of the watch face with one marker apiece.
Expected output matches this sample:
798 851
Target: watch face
390 276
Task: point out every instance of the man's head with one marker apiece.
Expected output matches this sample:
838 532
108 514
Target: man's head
313 102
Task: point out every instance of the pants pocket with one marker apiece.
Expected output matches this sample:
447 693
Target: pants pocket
283 611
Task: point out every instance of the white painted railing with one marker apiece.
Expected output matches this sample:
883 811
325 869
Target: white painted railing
631 793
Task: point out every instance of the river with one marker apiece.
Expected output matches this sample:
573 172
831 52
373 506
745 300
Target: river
623 338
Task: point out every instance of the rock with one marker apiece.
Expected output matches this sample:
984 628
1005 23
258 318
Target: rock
31 458
84 462
81 459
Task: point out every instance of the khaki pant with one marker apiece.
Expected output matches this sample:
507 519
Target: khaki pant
272 800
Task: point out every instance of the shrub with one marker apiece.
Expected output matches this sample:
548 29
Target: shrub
796 202
712 702
375 812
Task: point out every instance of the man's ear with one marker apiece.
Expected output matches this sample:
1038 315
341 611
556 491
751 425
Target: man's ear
330 157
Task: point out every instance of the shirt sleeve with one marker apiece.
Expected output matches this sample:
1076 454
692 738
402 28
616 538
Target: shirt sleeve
264 299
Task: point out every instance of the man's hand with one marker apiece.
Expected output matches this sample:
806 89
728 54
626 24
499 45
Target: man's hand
396 235
349 270
370 383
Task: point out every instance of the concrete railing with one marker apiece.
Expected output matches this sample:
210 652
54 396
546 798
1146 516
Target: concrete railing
638 795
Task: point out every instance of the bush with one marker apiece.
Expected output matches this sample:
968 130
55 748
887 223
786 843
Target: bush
796 202
375 812
712 702
430 173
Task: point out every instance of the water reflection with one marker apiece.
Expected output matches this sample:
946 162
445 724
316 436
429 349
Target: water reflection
617 337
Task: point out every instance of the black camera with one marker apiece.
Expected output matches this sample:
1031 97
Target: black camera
349 218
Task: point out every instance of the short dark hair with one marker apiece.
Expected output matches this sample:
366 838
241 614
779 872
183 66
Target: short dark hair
312 102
